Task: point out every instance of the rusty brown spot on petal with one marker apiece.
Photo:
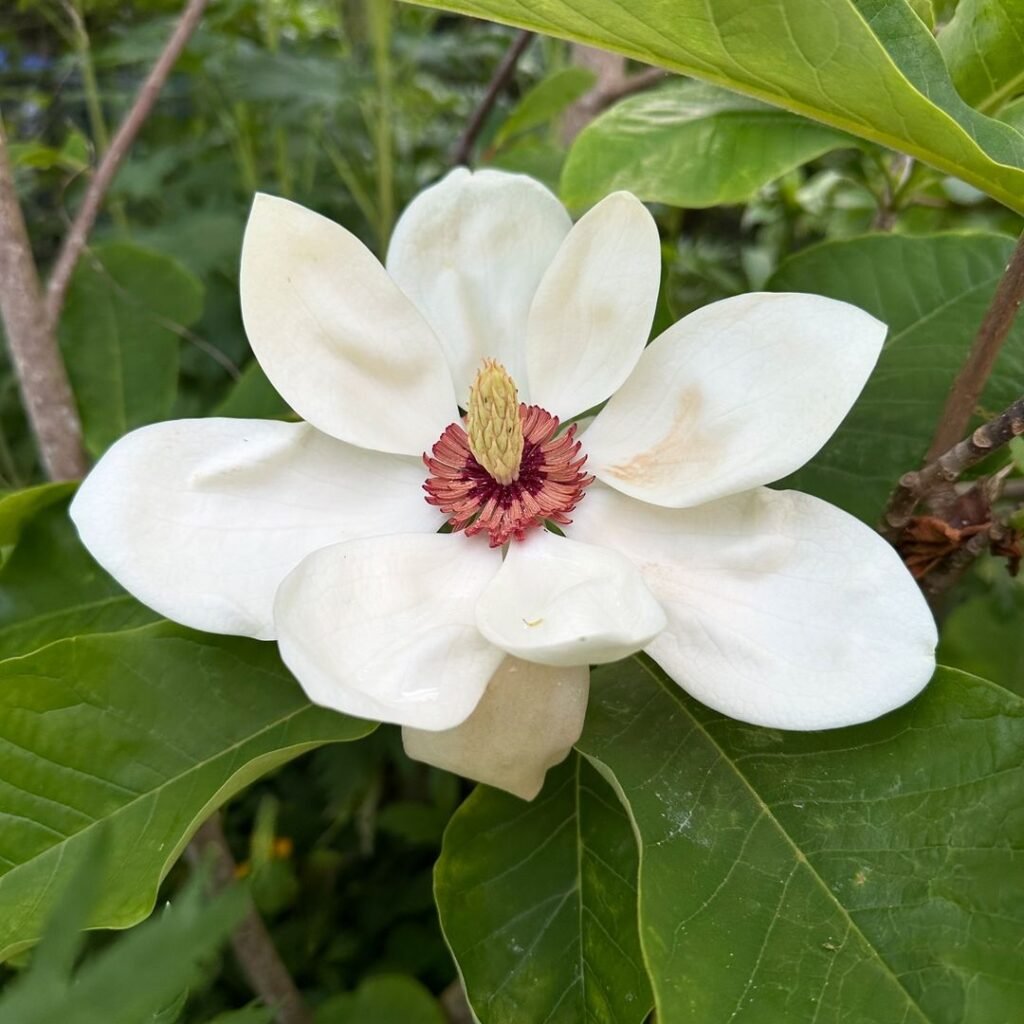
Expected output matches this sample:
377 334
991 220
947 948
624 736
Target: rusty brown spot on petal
683 444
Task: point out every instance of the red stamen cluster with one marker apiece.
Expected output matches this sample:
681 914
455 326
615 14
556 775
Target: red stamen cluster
549 486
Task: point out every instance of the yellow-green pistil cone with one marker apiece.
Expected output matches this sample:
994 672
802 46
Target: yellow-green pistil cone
493 424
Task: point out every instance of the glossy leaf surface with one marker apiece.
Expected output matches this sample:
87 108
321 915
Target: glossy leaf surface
691 145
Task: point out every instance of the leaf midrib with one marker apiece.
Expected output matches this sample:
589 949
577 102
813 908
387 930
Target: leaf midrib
675 694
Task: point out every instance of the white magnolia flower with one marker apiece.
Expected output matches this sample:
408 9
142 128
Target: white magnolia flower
771 606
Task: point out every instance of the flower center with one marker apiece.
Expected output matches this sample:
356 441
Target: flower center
506 471
493 424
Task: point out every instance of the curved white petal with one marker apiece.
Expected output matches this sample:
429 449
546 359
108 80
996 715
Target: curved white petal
558 602
737 394
470 252
202 519
526 723
593 310
340 342
783 610
383 627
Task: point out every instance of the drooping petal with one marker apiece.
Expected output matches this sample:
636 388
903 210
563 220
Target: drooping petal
593 310
337 338
783 610
526 723
559 602
737 394
470 252
384 628
202 519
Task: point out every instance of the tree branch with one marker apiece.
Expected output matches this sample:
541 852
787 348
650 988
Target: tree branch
32 340
970 381
612 84
632 84
948 467
110 163
503 73
254 948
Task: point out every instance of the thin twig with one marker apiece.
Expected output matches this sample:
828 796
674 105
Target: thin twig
38 366
896 178
254 948
503 73
971 380
110 163
936 584
632 84
950 466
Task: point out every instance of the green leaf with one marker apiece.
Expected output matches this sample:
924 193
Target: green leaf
50 587
925 10
146 732
545 101
870 68
17 507
865 874
252 396
932 292
983 44
248 1015
538 904
383 999
1013 114
692 145
119 337
984 634
135 979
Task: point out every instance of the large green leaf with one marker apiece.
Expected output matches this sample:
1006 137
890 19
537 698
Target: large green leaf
983 45
145 731
860 875
538 903
870 68
932 292
50 587
119 336
690 144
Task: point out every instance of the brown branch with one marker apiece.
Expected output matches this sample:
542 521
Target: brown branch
254 948
632 84
612 84
936 584
941 473
971 380
503 73
35 356
110 163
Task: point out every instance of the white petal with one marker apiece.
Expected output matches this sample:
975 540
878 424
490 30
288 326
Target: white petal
737 394
526 723
783 610
202 519
558 602
470 252
383 627
344 347
592 313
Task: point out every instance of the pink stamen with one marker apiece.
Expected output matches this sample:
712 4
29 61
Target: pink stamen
550 484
